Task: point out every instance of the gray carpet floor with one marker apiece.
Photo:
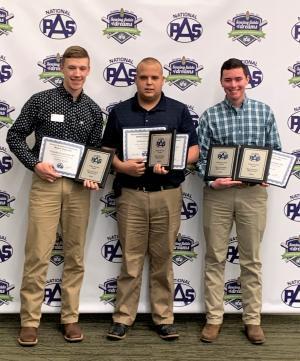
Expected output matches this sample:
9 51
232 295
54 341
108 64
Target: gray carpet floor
142 343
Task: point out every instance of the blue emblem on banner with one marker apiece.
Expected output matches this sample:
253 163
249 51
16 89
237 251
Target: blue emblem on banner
295 70
5 204
291 294
52 294
292 250
247 28
184 293
292 208
183 73
121 25
109 289
6 250
184 28
120 72
5 296
57 24
5 27
232 251
184 250
6 161
111 250
51 70
5 70
233 294
109 201
189 207
5 110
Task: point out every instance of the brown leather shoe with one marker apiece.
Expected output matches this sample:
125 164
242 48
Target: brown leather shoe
72 332
255 334
28 336
210 332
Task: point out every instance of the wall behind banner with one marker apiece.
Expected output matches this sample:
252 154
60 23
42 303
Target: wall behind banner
191 39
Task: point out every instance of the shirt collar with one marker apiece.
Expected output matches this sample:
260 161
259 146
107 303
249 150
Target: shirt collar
243 105
66 94
161 106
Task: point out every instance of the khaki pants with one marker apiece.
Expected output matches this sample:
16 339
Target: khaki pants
66 202
247 207
148 223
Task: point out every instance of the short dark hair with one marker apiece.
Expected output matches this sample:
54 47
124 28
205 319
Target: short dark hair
74 52
233 63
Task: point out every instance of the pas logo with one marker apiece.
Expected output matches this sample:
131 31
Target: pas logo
5 110
291 294
5 70
51 70
111 250
295 70
292 250
121 25
294 121
5 28
295 31
183 73
120 72
6 161
184 28
189 207
110 205
109 289
254 73
247 28
184 294
57 24
184 250
233 294
292 208
52 295
57 255
5 207
296 168
5 296
6 249
232 251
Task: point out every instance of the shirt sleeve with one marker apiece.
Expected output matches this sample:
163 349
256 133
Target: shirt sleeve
272 137
112 134
204 137
96 133
20 130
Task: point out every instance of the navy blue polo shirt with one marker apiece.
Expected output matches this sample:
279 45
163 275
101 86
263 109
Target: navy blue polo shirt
169 113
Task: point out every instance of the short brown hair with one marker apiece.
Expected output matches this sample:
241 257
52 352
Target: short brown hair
74 52
233 63
149 60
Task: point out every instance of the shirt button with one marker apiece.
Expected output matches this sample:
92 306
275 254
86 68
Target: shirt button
146 120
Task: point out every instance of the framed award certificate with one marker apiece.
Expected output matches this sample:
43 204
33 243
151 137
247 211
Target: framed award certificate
180 151
253 164
221 162
281 167
135 142
64 156
161 148
95 165
245 163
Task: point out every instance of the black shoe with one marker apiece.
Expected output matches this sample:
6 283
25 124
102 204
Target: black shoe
167 332
117 331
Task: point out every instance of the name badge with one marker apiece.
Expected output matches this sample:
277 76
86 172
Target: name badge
57 118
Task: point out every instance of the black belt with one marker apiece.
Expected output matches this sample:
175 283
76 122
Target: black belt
152 188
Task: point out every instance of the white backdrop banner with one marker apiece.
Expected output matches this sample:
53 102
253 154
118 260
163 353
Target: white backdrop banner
191 39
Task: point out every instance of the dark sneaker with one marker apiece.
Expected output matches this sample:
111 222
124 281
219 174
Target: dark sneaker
167 332
117 331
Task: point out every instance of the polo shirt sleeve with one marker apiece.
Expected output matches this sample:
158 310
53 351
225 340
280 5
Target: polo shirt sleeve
187 126
112 137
